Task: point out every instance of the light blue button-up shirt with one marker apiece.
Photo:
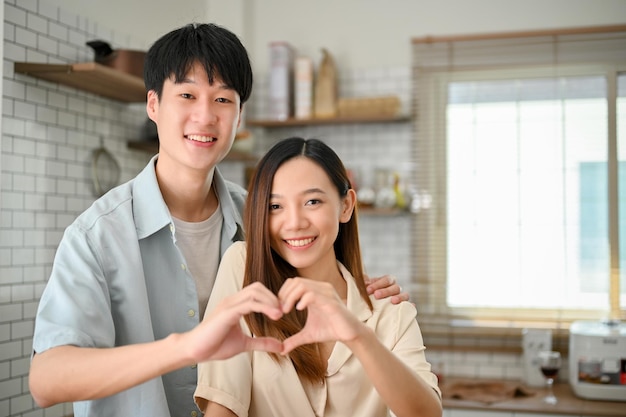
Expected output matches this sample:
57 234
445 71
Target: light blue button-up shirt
118 278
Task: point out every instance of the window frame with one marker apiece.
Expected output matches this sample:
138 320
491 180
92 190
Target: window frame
468 326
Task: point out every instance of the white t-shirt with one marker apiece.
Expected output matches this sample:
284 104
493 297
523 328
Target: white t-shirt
200 245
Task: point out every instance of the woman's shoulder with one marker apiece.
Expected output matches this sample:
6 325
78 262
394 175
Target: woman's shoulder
237 247
236 251
394 322
231 270
234 259
395 313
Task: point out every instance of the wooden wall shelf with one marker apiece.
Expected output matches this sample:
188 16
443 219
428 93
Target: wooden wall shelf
333 121
91 77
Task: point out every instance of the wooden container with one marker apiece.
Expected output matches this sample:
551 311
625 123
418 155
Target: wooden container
325 100
125 60
369 106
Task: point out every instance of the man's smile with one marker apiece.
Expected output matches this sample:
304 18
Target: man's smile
201 138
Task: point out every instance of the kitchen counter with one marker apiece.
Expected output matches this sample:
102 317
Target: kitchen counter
568 403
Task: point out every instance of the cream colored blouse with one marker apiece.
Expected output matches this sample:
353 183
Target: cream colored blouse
253 384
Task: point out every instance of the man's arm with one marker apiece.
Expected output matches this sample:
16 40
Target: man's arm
70 373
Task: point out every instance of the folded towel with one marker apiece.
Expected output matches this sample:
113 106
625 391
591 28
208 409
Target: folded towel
487 392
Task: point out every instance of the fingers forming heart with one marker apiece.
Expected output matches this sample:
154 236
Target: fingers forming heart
328 319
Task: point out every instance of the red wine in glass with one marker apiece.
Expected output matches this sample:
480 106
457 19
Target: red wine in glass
549 371
550 363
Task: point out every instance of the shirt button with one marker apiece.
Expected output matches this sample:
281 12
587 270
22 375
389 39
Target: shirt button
194 414
171 227
183 267
194 366
191 313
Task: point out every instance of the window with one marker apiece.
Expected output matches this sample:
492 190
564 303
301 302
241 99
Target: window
527 200
521 144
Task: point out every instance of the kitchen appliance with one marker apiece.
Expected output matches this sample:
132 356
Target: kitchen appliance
533 342
125 60
597 359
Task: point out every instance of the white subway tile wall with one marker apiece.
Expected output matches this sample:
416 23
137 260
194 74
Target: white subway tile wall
48 135
50 131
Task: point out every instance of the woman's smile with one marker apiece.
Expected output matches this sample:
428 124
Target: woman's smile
299 243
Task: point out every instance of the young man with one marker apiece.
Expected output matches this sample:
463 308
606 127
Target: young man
117 327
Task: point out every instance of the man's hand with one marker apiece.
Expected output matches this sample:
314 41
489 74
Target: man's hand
219 335
386 286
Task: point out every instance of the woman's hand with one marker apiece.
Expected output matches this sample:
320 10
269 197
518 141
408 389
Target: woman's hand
328 319
219 335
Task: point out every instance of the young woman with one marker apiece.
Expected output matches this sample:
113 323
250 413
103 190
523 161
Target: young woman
302 244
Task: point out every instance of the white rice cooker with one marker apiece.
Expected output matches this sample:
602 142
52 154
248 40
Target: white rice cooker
597 360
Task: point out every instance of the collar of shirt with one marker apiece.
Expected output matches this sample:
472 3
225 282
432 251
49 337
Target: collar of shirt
355 303
151 213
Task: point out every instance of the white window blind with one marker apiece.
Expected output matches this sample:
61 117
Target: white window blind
517 142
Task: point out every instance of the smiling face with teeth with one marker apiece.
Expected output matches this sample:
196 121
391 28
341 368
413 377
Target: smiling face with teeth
304 216
196 122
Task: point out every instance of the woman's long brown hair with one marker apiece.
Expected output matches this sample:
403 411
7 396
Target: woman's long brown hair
266 266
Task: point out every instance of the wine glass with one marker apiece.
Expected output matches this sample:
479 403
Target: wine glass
550 363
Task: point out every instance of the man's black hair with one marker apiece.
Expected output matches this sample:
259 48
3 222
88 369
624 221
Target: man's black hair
217 49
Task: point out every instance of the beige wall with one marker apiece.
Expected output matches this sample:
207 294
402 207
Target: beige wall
359 33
